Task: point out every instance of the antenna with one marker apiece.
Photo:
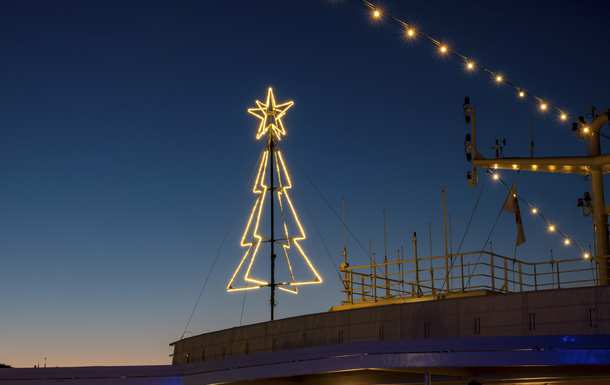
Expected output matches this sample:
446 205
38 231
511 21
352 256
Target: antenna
532 141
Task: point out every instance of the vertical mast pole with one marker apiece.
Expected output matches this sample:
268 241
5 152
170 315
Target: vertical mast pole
599 209
446 251
272 239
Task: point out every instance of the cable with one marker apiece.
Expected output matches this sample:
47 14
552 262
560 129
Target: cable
221 245
469 63
396 286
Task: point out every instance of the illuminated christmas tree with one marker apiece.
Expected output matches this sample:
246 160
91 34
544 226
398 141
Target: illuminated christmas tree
277 185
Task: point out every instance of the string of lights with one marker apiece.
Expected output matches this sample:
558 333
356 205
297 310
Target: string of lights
471 64
551 226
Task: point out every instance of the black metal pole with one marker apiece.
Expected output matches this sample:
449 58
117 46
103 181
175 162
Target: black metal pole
272 240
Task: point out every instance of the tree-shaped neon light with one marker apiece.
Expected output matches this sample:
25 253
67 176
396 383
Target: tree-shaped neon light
271 115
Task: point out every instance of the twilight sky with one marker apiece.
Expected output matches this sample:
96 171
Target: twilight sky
126 147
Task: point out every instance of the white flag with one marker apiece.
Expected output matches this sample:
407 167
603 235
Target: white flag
512 205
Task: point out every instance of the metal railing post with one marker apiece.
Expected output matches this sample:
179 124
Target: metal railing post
520 278
462 268
351 285
505 275
493 279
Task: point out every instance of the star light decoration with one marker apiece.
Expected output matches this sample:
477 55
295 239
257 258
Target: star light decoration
270 115
270 111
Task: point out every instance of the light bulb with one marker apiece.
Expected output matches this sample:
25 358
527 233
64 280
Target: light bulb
410 32
469 65
499 78
376 13
543 106
443 49
521 93
552 228
563 116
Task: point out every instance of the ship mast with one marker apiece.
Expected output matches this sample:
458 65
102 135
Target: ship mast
594 165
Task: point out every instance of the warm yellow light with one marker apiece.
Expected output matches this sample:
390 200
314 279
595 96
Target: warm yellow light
534 211
514 166
543 106
552 228
496 176
521 93
376 13
499 78
586 256
443 48
586 129
281 192
410 32
563 116
567 241
273 112
469 65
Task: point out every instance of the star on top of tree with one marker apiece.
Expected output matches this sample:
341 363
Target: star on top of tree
270 115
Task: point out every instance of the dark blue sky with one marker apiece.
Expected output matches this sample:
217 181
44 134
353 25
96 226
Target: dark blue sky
126 146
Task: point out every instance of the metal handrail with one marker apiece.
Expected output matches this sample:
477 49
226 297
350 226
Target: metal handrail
494 273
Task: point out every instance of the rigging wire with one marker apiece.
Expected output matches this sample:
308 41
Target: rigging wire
467 227
473 211
543 217
221 245
483 249
243 304
396 286
326 201
469 63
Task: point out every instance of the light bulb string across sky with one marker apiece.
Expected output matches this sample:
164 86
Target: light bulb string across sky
471 65
551 226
